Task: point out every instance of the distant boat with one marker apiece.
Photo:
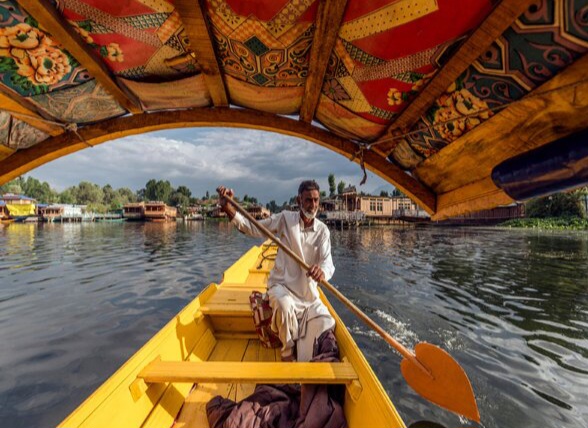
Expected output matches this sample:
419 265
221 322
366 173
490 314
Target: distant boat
134 211
159 211
51 213
19 207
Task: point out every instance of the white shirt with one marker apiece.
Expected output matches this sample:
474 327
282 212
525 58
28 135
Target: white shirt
312 244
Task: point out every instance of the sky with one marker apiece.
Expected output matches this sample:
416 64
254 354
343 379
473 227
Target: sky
262 164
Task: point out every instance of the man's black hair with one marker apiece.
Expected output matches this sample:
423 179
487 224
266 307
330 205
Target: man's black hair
308 185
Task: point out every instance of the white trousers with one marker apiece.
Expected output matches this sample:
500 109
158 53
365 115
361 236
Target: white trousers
298 322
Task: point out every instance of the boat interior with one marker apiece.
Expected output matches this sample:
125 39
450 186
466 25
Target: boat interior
211 348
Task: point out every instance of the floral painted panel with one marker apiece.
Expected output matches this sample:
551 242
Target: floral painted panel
551 35
141 40
31 61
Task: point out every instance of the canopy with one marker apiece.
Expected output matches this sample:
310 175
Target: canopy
431 95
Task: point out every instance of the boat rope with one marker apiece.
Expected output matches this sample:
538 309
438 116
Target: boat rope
359 152
264 256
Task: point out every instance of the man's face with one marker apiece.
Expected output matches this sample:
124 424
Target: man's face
309 203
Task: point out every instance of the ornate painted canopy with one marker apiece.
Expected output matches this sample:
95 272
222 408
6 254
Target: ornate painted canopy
429 94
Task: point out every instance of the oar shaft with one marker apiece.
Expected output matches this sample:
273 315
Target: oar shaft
389 339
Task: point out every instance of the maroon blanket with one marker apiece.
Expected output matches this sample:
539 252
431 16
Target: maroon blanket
286 406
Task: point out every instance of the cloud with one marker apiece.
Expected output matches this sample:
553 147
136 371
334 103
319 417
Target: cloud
262 164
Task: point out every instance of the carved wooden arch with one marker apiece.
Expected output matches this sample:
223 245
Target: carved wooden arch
25 160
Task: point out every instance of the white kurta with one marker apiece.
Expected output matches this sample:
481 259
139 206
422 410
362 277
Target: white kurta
299 315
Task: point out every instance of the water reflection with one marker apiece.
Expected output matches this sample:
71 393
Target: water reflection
511 306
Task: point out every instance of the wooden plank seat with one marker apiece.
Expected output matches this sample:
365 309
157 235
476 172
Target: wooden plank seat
229 302
248 372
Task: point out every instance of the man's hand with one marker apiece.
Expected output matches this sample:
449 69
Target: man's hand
316 273
222 192
229 209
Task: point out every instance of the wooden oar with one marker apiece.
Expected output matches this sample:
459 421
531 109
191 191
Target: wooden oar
430 371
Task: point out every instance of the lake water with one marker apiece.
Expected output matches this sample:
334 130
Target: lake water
511 306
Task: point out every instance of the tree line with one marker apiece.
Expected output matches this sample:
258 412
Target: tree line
106 198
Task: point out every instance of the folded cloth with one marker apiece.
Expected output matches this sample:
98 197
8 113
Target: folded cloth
286 406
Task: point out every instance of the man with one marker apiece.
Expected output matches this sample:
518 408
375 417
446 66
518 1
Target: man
299 316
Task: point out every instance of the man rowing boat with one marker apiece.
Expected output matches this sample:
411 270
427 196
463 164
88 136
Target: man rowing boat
299 317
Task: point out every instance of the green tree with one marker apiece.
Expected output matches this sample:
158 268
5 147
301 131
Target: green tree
340 187
87 193
332 186
67 196
13 186
397 193
158 190
126 195
184 191
109 194
384 194
567 204
272 206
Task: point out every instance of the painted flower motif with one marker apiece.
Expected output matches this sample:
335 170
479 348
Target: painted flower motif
21 36
114 53
334 90
459 112
36 56
48 66
82 32
395 97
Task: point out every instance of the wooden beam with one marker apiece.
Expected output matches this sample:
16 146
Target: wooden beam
554 110
48 17
502 17
247 372
23 110
5 151
54 148
478 196
192 16
328 21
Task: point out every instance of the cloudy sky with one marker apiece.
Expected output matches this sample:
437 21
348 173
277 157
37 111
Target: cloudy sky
258 163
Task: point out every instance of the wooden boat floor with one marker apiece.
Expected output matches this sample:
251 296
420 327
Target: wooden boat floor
193 412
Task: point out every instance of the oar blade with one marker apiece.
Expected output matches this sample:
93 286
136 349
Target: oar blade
448 387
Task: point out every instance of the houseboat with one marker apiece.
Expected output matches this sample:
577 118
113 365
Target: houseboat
159 211
258 212
134 211
51 213
4 214
20 207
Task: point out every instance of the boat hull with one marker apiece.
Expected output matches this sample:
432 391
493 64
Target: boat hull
217 326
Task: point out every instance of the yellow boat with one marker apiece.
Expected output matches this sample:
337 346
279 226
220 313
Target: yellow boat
210 348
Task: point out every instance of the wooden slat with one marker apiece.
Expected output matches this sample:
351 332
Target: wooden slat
503 15
25 160
15 104
327 23
44 12
201 44
248 372
193 413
